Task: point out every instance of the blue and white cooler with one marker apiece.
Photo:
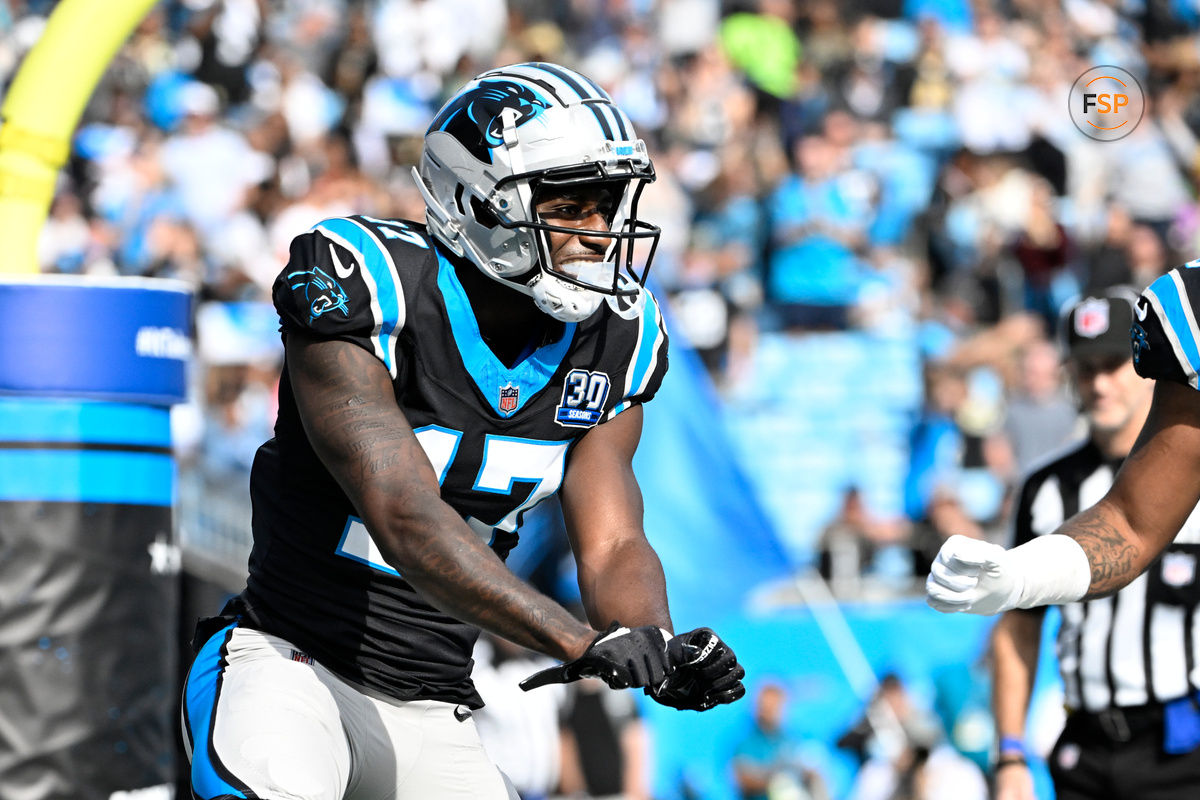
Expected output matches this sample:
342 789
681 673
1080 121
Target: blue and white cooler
89 569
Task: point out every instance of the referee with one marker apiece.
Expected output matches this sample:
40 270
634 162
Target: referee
1130 662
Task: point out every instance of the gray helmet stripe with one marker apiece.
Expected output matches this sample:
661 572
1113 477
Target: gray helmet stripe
611 107
620 117
580 91
574 79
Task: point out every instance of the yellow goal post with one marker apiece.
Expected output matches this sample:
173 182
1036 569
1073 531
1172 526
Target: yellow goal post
42 109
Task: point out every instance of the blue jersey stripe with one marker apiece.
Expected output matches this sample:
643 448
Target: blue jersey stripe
630 370
87 476
377 314
377 269
200 700
650 335
1175 317
618 408
583 94
90 422
490 374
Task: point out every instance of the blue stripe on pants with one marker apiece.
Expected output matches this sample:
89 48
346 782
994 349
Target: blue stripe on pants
200 701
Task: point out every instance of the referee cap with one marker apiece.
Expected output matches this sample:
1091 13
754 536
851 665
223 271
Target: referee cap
1099 326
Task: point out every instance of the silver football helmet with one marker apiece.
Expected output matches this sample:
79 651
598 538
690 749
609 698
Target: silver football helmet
519 133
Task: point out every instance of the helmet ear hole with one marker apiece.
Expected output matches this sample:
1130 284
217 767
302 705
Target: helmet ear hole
483 214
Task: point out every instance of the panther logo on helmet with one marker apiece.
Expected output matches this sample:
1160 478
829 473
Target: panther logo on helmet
322 292
474 117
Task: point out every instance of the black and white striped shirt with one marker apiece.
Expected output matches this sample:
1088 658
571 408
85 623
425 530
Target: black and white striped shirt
1141 645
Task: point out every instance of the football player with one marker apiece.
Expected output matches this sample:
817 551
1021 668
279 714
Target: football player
1103 548
441 379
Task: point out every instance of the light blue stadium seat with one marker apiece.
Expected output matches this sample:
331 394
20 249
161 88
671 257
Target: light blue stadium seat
826 412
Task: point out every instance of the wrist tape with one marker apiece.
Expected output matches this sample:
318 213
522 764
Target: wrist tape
1053 570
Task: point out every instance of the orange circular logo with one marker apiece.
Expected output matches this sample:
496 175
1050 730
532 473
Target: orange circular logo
1106 103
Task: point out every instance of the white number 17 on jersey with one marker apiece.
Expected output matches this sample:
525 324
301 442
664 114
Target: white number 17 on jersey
506 460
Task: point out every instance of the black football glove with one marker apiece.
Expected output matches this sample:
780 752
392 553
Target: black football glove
621 657
706 673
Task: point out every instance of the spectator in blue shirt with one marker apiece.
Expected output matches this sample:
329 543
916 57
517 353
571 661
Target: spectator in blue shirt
767 759
821 213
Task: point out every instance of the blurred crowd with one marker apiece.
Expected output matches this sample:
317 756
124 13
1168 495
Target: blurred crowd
904 168
581 741
894 168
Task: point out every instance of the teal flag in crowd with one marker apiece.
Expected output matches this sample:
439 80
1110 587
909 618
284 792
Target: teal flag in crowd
715 541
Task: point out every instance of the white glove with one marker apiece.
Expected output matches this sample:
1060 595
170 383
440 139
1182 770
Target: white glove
973 576
982 578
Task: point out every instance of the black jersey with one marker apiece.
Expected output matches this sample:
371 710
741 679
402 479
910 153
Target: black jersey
499 439
1166 340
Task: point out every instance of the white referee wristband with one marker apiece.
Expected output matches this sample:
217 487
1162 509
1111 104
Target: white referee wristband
1054 570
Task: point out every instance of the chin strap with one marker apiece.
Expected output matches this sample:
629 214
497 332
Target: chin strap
561 300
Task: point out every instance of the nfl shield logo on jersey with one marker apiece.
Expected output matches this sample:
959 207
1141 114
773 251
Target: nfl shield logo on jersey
509 397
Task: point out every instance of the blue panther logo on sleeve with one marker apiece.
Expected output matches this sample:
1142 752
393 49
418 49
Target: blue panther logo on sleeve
474 117
322 292
1137 336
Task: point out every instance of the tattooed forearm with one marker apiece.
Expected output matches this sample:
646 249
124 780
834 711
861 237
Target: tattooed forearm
365 426
471 583
374 463
349 411
1113 557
